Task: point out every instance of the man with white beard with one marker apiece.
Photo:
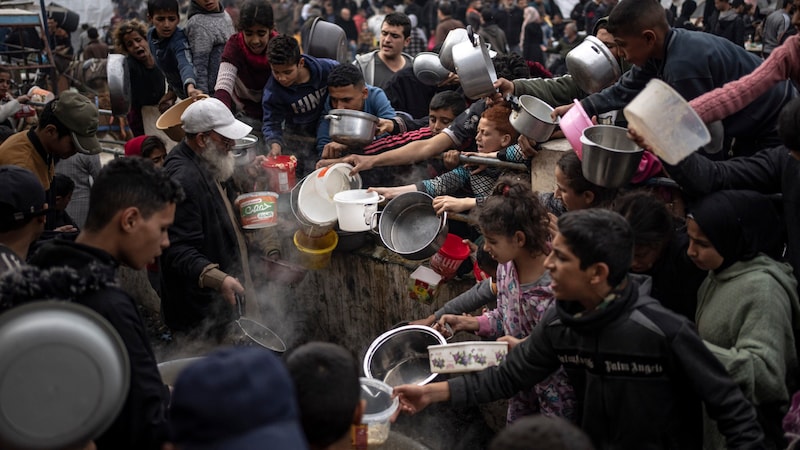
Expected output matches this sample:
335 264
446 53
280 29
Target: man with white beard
207 262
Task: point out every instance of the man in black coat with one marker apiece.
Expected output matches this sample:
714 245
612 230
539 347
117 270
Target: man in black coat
206 264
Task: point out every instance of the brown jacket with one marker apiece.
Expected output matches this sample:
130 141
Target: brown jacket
444 27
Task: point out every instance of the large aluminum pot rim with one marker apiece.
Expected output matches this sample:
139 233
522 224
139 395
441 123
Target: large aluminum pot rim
423 251
336 114
387 335
524 99
429 69
29 336
586 138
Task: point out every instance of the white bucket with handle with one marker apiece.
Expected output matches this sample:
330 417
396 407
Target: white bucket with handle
355 207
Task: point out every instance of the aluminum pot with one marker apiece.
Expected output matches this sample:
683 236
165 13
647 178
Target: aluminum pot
409 226
475 68
454 37
119 84
592 65
352 128
169 370
64 375
531 118
609 158
324 40
244 151
400 356
429 70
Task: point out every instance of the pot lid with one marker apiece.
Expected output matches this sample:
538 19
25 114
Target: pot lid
64 375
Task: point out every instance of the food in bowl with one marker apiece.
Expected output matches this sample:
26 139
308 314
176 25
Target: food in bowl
466 356
379 409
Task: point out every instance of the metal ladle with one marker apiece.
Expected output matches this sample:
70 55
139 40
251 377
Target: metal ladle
257 332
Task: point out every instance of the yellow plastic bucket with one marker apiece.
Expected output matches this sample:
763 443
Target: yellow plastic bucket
315 252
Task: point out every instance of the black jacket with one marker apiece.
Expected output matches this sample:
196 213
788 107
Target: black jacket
769 171
639 371
66 270
696 63
202 234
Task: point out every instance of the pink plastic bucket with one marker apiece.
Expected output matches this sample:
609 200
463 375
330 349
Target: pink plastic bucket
572 124
446 261
281 171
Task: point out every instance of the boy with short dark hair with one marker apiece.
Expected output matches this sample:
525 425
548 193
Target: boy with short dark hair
22 209
325 377
640 371
693 63
293 100
131 206
348 90
170 47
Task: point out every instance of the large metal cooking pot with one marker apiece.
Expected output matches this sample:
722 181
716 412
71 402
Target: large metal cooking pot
400 356
531 117
324 40
610 158
475 68
592 65
352 128
119 84
64 375
409 226
454 37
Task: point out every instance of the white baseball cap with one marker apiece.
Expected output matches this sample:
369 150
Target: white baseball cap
211 114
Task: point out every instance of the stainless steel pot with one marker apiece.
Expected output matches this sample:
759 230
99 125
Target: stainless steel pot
454 37
592 65
475 68
119 84
324 40
409 226
170 370
64 375
352 128
429 70
531 117
609 158
400 356
244 151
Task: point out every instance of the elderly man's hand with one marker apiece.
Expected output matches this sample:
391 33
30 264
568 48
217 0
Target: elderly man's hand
333 150
230 287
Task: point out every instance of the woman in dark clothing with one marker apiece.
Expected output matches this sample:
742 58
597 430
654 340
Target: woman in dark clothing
532 36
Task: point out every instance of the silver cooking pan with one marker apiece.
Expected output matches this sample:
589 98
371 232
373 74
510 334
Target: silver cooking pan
475 68
257 332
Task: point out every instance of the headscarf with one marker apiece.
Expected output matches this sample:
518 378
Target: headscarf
531 14
134 146
740 224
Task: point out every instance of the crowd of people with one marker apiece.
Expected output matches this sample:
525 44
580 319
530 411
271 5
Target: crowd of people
662 314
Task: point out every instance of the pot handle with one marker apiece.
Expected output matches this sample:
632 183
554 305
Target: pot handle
513 101
372 222
332 117
239 304
471 36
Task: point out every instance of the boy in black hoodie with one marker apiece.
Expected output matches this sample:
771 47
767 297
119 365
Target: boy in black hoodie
131 206
640 372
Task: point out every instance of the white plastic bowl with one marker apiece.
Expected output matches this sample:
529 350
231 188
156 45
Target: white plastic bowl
666 121
380 408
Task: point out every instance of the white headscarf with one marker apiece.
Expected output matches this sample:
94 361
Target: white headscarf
531 14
